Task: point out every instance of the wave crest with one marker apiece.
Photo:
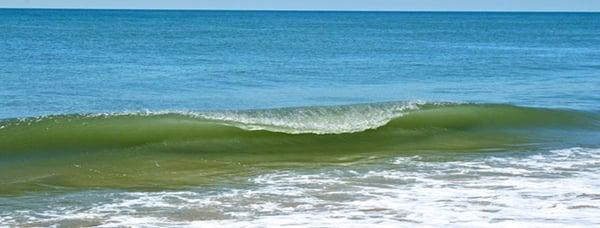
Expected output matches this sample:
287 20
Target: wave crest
317 120
186 148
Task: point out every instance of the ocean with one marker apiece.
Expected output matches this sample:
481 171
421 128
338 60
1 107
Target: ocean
297 118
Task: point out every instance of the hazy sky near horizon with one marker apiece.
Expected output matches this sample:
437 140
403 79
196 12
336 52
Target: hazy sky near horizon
451 5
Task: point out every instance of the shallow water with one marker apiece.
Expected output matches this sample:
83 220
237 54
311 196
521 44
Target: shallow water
553 188
225 118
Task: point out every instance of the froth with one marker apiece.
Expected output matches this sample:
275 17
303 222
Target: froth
318 120
553 188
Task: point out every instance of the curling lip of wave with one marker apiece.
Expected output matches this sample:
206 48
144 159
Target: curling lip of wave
296 120
344 118
380 124
316 119
348 118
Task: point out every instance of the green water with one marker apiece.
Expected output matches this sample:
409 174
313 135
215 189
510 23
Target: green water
177 150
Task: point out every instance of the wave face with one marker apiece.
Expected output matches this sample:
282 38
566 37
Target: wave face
149 149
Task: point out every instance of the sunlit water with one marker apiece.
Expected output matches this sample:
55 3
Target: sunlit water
135 73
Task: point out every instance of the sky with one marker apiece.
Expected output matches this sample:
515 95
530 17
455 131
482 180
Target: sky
388 5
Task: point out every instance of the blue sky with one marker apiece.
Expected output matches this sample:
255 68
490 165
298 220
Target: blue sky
460 5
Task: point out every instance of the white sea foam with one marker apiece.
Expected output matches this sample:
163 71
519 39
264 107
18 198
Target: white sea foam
550 189
320 120
298 120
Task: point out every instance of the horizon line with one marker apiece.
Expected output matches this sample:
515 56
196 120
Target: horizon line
309 10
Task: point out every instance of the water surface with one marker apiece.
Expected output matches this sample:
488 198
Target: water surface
206 118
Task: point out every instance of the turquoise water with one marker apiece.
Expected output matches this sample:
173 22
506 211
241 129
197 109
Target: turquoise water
208 118
63 61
